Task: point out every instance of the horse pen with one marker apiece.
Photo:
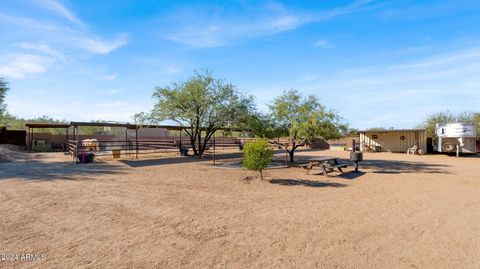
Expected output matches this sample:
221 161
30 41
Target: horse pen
132 140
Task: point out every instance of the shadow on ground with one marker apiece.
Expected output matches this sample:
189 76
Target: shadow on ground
178 160
351 175
307 183
336 174
400 167
47 171
388 166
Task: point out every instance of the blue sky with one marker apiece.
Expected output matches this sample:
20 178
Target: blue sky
378 63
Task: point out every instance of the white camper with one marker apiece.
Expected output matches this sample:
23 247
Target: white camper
456 138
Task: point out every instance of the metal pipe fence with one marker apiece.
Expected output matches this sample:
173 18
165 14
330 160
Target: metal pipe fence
102 148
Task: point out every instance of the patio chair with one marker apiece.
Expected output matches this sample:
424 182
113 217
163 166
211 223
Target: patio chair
412 150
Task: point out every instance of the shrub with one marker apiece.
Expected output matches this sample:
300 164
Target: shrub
257 155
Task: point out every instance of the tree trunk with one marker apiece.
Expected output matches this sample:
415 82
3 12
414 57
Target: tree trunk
192 143
261 174
199 137
206 140
291 152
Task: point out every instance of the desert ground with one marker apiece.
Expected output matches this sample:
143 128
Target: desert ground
171 212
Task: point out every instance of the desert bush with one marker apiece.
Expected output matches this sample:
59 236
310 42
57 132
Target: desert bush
257 155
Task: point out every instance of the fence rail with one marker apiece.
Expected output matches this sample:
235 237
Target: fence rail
137 147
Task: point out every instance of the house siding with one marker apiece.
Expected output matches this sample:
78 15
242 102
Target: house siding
391 141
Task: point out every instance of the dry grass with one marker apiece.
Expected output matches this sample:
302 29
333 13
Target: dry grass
403 212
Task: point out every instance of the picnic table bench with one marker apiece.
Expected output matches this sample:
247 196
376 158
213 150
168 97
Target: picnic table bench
326 164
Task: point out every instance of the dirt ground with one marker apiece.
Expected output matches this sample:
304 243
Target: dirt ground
400 212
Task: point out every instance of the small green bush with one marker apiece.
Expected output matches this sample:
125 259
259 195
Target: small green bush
257 155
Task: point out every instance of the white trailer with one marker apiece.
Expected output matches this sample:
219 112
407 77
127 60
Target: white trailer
456 138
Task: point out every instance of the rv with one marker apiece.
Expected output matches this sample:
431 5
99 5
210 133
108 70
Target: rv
456 138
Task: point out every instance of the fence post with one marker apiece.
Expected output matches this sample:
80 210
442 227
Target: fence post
75 151
136 143
214 149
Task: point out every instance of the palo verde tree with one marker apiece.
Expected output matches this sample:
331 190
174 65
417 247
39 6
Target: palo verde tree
257 155
3 92
201 105
304 119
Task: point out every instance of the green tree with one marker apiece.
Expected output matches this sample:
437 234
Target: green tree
304 119
350 132
264 126
476 119
257 155
201 105
19 123
3 92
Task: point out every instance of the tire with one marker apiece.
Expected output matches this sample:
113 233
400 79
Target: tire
448 147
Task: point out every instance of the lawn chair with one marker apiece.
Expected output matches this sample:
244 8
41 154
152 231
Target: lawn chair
412 150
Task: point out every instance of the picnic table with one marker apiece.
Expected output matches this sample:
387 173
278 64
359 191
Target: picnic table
326 164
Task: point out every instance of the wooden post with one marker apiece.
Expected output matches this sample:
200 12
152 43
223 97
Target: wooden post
30 139
75 131
180 143
126 141
77 142
214 149
136 142
27 142
66 139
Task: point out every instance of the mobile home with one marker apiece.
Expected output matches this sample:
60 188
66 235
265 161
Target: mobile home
393 140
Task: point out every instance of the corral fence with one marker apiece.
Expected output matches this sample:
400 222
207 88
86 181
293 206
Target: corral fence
14 137
136 147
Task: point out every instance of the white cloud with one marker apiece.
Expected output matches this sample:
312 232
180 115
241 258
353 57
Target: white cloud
448 58
99 46
216 34
38 59
111 92
207 37
401 95
170 69
53 43
59 9
207 28
392 95
43 48
110 77
26 22
114 104
76 36
409 50
18 66
285 23
322 44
